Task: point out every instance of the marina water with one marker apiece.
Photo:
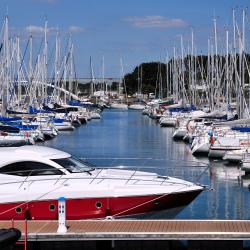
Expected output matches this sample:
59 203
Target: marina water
130 140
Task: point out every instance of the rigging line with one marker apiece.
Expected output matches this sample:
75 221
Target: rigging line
62 59
74 67
146 202
141 158
64 68
76 82
11 93
27 202
49 61
39 50
33 71
52 73
67 44
202 173
2 29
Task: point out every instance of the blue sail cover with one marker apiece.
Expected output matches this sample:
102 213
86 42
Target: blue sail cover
80 104
9 119
241 129
183 109
37 111
25 127
58 120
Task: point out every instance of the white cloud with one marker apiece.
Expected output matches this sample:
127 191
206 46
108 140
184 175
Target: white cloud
156 22
46 1
76 29
34 29
39 29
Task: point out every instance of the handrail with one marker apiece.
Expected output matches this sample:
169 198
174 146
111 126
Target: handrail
127 179
130 177
96 176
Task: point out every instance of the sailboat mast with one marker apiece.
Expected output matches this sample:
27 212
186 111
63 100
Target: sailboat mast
71 70
174 81
167 76
18 73
92 77
56 68
235 66
32 89
123 80
227 73
103 76
243 54
216 82
45 61
65 77
192 67
182 72
120 82
5 91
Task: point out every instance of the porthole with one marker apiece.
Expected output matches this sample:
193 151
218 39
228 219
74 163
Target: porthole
52 207
18 210
157 202
98 204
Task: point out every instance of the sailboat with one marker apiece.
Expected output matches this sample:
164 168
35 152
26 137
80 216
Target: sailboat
138 105
121 101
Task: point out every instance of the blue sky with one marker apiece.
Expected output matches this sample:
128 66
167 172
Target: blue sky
136 30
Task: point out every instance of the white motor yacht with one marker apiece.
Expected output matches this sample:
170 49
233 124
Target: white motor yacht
137 106
33 178
118 105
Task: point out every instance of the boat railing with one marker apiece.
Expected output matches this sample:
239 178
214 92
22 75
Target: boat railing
27 176
135 177
96 176
131 176
246 156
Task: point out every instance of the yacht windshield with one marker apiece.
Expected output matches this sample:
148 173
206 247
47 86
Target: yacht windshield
74 165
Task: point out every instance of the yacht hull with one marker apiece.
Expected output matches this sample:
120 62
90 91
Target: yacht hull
119 106
201 149
219 152
93 208
179 134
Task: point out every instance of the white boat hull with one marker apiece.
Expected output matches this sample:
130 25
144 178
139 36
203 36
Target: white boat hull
168 122
137 106
202 148
179 134
118 106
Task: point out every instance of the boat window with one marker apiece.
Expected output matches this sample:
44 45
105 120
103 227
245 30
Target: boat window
74 165
30 168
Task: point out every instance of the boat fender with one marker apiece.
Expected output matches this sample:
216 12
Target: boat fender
109 217
27 135
178 122
211 140
3 133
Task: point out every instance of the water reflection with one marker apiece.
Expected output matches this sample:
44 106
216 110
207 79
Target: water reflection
132 140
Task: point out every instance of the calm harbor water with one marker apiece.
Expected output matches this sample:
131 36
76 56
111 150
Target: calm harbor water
127 138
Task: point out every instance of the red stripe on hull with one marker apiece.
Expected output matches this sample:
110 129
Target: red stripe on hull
91 208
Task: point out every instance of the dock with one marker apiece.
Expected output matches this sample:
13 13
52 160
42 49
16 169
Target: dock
136 230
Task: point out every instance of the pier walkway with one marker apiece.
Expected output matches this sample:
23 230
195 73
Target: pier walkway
87 230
